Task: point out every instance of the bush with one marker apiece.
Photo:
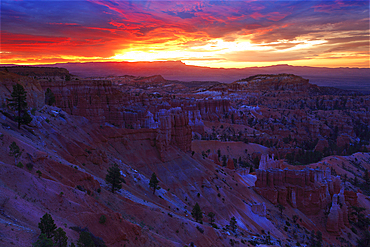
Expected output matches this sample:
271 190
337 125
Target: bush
33 111
79 187
200 229
20 165
39 173
29 166
102 219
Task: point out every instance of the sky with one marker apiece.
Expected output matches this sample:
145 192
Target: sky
221 34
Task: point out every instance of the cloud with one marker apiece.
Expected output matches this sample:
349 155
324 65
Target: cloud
103 29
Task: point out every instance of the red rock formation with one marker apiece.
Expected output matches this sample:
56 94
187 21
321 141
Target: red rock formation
266 163
211 108
181 130
351 197
338 216
230 164
98 100
35 94
101 102
344 207
306 189
335 217
214 157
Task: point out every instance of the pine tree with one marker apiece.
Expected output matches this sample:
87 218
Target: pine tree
233 225
85 240
281 208
197 213
49 97
14 151
211 216
43 241
153 183
60 238
18 103
319 239
114 178
312 239
47 225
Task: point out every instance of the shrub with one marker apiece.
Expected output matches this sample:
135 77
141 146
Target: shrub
33 111
79 187
29 166
102 219
214 225
200 229
20 165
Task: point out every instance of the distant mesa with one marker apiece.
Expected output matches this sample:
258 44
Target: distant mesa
276 82
36 71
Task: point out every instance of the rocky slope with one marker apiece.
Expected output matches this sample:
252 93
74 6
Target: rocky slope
73 144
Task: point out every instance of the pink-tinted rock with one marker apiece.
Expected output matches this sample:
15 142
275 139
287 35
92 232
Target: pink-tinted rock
259 209
335 218
230 164
304 189
321 145
351 197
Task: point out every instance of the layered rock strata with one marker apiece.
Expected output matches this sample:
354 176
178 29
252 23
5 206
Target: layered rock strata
309 190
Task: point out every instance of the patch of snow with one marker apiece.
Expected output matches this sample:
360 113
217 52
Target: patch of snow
209 93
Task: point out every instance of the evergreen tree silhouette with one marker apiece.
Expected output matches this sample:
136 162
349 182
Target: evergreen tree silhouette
18 103
114 178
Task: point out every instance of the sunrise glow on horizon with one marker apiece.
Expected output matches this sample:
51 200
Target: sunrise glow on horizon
227 34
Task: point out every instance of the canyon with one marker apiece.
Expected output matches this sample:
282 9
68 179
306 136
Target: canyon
283 156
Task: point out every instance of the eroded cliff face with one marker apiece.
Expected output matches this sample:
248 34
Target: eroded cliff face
98 100
101 101
308 190
35 94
